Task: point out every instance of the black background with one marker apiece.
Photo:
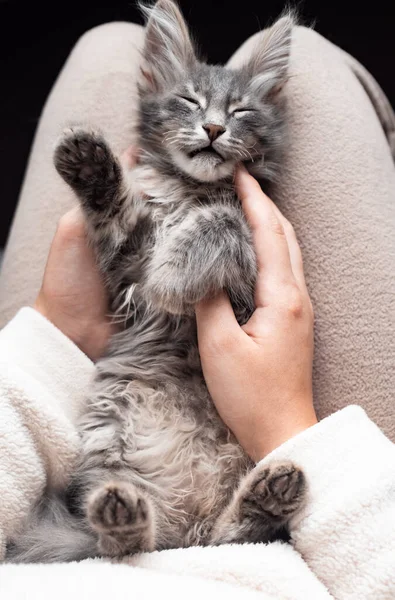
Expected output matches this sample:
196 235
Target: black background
36 37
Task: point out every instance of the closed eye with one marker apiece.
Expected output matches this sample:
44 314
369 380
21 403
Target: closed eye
240 111
190 100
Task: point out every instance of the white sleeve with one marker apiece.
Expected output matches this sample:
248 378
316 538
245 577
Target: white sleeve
346 533
43 378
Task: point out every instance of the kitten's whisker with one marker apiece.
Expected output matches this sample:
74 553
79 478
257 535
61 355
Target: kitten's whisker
174 137
171 136
248 154
172 131
244 153
239 152
173 142
179 132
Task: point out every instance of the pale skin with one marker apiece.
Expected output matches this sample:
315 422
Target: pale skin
259 375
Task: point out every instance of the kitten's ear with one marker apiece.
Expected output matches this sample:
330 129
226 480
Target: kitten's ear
168 49
268 65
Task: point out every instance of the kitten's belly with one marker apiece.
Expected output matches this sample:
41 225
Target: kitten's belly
172 442
186 453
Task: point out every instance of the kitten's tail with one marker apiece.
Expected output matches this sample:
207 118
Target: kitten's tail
53 534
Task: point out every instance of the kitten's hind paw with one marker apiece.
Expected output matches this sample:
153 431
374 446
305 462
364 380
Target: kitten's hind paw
123 517
266 500
85 161
278 489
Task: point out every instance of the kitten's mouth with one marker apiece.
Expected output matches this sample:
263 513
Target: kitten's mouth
207 151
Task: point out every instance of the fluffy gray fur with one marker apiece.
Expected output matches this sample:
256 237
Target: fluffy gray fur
159 469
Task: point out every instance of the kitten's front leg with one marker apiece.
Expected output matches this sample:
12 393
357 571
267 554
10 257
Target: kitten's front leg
85 161
266 500
210 250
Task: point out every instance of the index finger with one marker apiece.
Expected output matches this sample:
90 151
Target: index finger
295 252
270 242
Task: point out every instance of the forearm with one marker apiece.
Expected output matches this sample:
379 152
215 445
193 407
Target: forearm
346 532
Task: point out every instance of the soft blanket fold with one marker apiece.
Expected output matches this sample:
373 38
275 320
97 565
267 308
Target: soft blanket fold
343 542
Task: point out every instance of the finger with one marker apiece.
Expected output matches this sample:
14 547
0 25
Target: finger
295 253
271 247
72 225
216 323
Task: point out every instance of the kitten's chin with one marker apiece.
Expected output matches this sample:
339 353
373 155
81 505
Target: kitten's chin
203 168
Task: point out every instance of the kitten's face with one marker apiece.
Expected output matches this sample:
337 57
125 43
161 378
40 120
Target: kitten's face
208 122
204 119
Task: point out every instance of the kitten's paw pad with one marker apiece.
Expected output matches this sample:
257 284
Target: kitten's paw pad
118 506
279 490
82 157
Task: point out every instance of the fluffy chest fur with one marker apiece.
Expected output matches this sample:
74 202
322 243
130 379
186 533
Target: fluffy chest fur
150 418
151 421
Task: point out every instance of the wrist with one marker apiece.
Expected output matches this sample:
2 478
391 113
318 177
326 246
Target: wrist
278 430
90 337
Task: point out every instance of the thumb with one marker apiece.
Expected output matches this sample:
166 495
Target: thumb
215 320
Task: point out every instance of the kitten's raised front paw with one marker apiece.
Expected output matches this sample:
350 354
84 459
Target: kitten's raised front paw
278 489
85 161
123 518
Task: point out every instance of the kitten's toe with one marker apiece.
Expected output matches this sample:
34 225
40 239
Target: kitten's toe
279 489
117 506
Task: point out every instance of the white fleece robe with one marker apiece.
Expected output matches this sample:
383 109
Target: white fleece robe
343 540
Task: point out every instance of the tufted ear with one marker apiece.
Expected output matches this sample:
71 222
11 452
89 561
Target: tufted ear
268 65
168 50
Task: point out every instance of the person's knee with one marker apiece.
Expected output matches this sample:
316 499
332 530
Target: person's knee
306 36
116 36
301 37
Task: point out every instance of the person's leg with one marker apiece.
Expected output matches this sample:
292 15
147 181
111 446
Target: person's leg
338 189
97 87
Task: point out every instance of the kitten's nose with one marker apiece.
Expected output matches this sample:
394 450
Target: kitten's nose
213 131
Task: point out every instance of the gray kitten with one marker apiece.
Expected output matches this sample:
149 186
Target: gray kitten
159 469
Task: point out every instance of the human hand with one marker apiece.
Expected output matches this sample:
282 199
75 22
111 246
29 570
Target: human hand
72 295
260 375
